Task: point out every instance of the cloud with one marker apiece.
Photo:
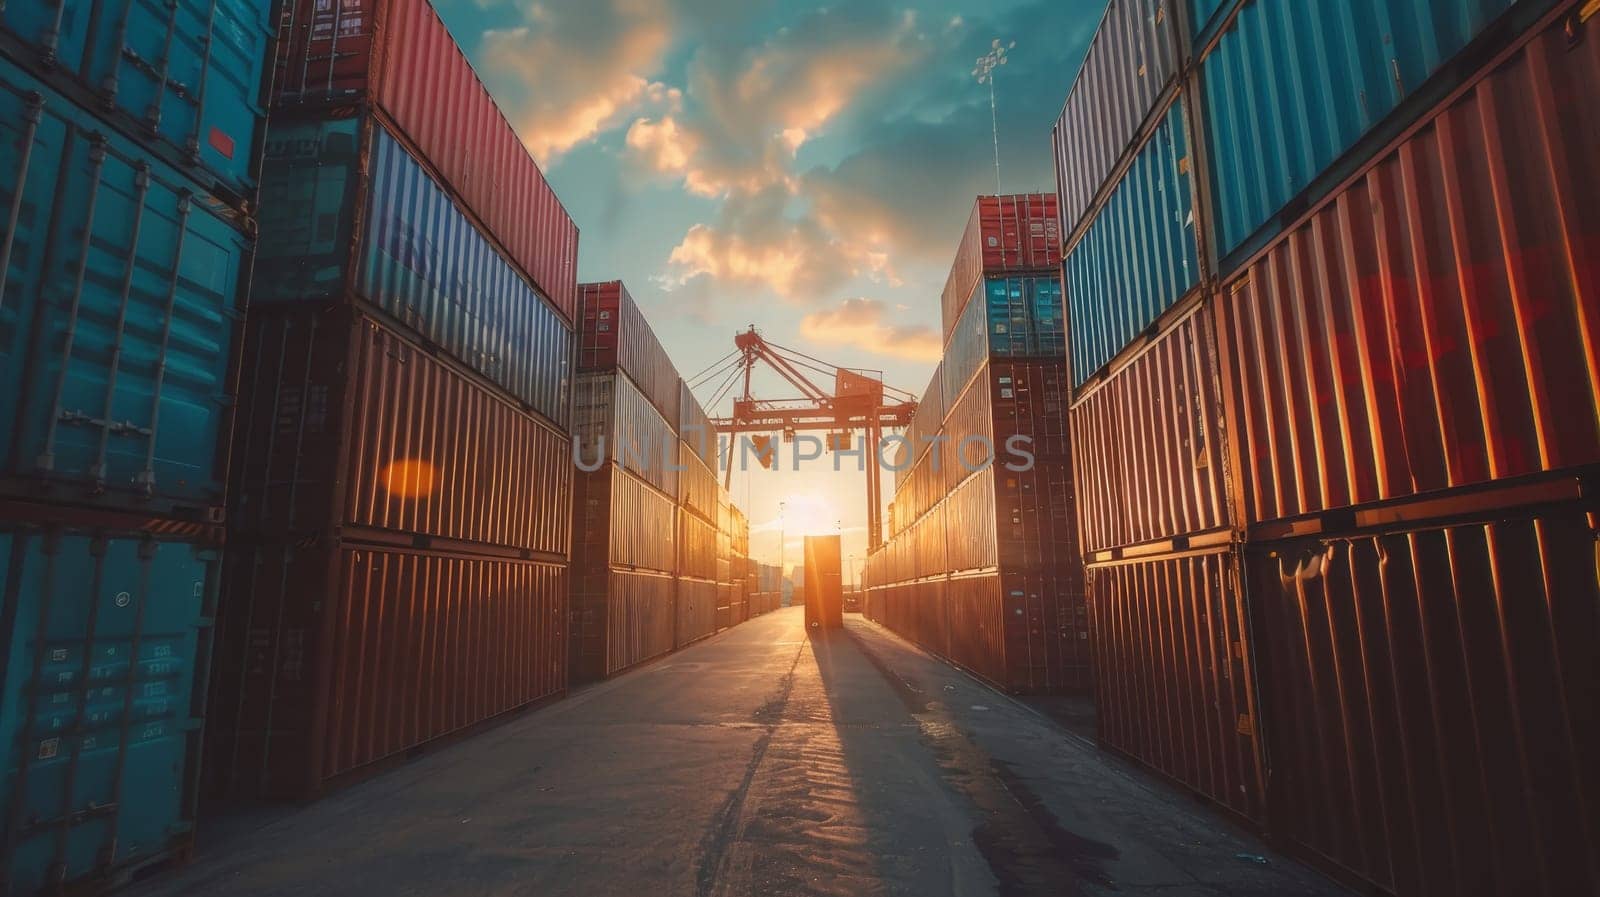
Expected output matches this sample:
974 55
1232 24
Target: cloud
577 68
868 324
755 242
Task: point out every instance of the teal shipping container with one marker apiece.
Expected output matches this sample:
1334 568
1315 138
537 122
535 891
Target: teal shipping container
1139 256
188 77
347 212
1203 15
121 294
107 645
1020 317
1291 86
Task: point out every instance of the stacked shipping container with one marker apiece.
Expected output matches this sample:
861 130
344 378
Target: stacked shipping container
659 555
979 566
125 254
1353 465
401 491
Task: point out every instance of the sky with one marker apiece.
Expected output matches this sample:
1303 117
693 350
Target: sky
803 168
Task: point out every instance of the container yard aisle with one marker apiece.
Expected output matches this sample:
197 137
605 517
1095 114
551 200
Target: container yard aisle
756 762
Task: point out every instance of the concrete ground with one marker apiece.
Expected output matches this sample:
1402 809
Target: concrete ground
756 763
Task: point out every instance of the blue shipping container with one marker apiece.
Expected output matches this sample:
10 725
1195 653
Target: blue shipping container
1293 84
1139 257
1020 317
106 656
420 259
1201 12
189 72
120 295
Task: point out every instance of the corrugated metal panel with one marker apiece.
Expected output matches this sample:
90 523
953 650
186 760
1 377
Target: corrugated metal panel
120 292
824 587
337 658
1006 234
925 423
1428 700
1292 84
642 525
1174 688
697 609
614 334
1139 256
970 510
398 53
1436 323
640 626
695 427
345 423
1150 446
918 611
698 485
612 419
1202 12
1132 58
186 79
107 649
697 548
1016 317
385 231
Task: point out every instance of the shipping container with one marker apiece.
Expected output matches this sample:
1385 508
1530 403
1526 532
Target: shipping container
620 619
1291 87
397 56
1204 17
186 81
1139 256
1131 61
335 658
348 428
698 486
697 547
1023 631
823 585
1434 324
970 511
697 609
612 421
1429 701
925 423
622 521
695 427
917 611
1015 234
613 334
107 643
1150 446
121 292
381 229
1018 317
1174 684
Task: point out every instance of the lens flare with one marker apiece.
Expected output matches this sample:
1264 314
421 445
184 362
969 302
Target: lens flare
409 478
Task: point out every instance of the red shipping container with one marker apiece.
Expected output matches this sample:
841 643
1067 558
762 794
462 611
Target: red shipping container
1428 701
614 334
1149 446
398 55
348 430
334 658
1436 323
1173 683
619 619
1013 234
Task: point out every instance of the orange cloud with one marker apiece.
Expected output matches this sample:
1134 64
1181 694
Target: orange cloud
866 324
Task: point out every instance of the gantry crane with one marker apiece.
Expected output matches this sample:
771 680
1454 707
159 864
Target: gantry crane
859 401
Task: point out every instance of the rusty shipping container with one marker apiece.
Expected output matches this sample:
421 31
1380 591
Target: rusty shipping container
1130 63
348 430
398 57
1428 696
696 610
1150 446
613 335
1435 323
335 658
1013 234
1174 685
